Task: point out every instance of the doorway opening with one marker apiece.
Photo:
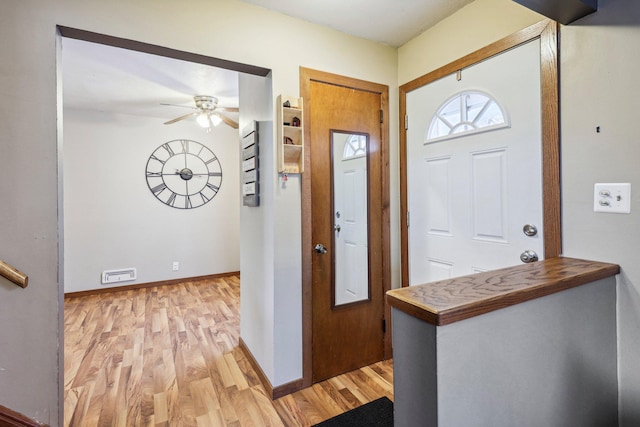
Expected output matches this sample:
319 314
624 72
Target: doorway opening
127 164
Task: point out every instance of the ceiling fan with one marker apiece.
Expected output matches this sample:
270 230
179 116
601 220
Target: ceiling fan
207 113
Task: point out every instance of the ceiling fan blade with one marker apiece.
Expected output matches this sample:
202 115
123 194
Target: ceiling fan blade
177 119
177 105
228 109
227 120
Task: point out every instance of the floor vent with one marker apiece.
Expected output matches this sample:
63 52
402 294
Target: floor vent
115 276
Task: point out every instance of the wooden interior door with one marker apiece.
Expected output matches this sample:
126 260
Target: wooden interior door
346 336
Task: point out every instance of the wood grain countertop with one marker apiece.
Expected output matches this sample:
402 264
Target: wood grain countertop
451 300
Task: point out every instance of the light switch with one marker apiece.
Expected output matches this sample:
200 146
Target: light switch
612 197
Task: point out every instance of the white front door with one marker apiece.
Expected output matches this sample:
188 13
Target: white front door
470 196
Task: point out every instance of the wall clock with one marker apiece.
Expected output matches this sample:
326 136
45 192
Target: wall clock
183 174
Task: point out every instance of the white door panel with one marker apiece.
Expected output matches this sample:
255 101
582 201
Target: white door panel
489 195
470 196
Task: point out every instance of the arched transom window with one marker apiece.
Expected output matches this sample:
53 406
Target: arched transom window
464 113
355 146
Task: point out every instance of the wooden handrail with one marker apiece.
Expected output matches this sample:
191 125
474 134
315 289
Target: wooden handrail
10 418
13 274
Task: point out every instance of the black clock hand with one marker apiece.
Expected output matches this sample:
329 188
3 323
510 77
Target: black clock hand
208 174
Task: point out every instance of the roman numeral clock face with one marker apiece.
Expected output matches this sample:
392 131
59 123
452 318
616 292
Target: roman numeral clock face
184 174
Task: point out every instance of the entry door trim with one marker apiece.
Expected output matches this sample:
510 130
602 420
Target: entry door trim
547 32
308 75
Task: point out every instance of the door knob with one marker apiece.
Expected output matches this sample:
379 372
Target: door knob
337 227
528 256
320 249
530 230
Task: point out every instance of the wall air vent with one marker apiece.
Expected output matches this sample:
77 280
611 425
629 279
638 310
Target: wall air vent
116 276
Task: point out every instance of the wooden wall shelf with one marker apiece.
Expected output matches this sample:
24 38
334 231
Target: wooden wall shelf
290 134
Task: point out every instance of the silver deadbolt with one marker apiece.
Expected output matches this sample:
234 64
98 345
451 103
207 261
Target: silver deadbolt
528 256
530 230
337 227
320 249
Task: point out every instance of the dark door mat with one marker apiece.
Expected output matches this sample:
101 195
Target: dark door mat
378 413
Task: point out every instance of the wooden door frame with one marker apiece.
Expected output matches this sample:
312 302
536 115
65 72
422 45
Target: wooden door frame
306 77
547 31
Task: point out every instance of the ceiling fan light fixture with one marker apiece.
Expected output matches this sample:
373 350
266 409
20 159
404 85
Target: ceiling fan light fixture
206 113
203 120
205 102
215 119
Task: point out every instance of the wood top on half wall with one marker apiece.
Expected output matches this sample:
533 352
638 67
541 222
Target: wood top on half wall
448 301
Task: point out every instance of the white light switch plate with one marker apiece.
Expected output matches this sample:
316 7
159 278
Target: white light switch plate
612 197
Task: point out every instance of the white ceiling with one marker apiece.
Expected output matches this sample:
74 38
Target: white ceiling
115 80
392 22
104 78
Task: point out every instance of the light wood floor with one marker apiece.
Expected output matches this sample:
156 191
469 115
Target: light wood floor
169 356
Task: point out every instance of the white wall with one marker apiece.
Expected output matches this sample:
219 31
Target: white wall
257 299
599 86
600 56
113 221
29 318
471 28
546 362
227 29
